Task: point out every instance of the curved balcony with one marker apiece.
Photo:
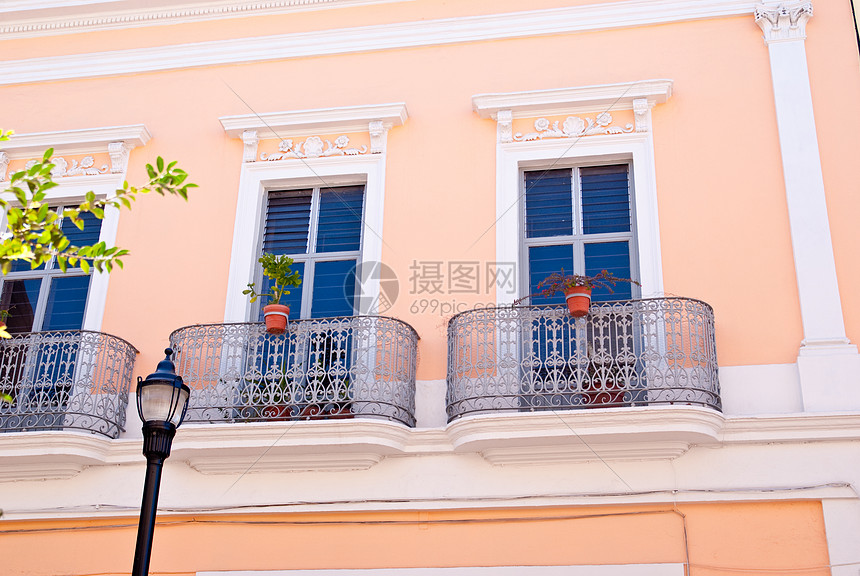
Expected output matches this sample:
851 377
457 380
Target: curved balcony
628 353
331 368
65 380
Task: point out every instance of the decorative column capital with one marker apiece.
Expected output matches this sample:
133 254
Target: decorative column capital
4 164
783 22
250 142
378 136
504 126
118 152
641 114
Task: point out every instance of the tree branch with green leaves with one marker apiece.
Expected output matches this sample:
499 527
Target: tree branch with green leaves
34 231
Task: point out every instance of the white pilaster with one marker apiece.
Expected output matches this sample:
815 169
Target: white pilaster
829 364
842 526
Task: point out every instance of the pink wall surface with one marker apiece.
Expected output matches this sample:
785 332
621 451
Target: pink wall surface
723 217
721 537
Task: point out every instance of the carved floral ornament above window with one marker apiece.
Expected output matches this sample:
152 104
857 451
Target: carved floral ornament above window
86 167
573 126
314 147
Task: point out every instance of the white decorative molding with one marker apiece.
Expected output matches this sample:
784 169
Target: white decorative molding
44 455
378 136
119 153
4 164
783 22
587 18
601 99
573 127
92 16
86 167
313 147
321 445
581 99
504 126
69 142
250 142
542 438
642 114
281 125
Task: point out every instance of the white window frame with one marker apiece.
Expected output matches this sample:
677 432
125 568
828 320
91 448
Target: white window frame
255 182
72 190
311 257
117 141
637 148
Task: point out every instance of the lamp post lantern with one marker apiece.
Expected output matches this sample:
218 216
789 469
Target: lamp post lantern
162 400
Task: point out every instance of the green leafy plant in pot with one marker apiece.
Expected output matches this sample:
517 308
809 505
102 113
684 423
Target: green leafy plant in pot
277 268
577 288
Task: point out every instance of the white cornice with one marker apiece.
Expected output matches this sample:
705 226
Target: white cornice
89 140
36 18
317 121
573 100
588 18
648 433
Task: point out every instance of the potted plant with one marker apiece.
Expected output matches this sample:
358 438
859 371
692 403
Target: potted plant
577 288
277 268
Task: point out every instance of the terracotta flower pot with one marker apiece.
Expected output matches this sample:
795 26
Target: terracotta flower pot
578 300
276 318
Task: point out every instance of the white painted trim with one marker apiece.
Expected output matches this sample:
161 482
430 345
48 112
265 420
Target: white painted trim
88 140
548 438
588 18
257 177
637 146
829 365
73 189
525 439
573 100
76 16
842 527
318 121
675 569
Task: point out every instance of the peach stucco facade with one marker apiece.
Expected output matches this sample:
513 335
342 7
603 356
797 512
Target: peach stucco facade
737 122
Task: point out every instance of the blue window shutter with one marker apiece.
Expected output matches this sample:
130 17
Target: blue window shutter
288 217
613 257
86 237
334 289
67 300
549 205
543 261
339 228
605 199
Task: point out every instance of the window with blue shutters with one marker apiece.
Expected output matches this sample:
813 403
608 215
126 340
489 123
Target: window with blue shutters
320 228
47 298
580 220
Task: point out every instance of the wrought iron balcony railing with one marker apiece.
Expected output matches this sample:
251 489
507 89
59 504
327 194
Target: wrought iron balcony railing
331 368
626 353
65 380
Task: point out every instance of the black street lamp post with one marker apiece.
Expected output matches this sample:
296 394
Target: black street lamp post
161 403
